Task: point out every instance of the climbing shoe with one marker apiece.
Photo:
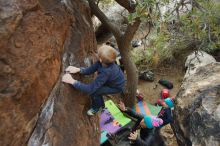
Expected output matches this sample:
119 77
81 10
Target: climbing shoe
92 112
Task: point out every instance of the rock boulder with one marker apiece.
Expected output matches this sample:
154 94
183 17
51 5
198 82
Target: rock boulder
38 39
197 108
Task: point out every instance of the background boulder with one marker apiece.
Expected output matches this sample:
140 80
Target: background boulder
197 108
197 59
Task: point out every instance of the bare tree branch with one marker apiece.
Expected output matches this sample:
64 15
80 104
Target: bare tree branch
197 5
145 37
209 34
158 8
149 28
104 19
97 2
131 29
127 4
178 14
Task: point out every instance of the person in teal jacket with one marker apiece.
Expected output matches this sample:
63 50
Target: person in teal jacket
110 78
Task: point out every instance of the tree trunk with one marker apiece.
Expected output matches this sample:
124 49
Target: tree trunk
131 72
124 44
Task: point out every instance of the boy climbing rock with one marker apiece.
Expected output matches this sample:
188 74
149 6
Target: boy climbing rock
110 78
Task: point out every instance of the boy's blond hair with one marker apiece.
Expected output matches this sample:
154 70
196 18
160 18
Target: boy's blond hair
107 54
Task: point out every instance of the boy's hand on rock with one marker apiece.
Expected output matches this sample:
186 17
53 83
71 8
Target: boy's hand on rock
67 78
72 69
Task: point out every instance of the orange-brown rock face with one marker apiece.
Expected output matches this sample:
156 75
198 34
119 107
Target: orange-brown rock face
35 108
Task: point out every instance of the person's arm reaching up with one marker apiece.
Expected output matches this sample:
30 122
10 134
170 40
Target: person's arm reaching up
129 111
90 70
84 71
94 85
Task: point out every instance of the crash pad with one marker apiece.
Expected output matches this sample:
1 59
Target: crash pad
111 120
108 123
146 108
104 137
116 113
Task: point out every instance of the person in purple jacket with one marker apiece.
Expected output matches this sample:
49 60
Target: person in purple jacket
110 78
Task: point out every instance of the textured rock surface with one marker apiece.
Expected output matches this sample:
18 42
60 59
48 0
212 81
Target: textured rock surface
197 59
34 35
197 108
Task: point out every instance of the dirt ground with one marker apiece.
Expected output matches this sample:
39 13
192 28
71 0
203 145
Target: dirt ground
152 90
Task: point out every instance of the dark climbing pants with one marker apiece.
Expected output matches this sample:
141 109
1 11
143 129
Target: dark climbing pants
97 99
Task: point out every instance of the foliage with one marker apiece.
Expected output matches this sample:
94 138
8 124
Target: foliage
142 57
203 26
198 25
146 11
198 28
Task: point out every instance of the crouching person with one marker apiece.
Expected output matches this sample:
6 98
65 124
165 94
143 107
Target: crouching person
149 128
110 78
166 112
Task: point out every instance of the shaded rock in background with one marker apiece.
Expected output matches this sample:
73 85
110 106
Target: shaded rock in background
216 54
33 37
197 59
197 108
146 75
136 43
116 14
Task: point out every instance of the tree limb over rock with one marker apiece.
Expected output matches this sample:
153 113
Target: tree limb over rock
127 4
103 18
